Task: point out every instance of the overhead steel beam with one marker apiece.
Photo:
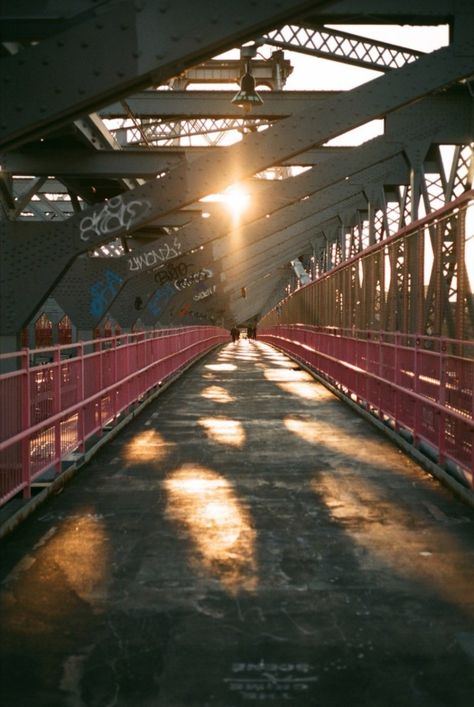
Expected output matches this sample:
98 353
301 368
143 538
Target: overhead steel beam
300 132
125 163
394 170
216 104
30 21
81 163
210 174
272 72
154 42
421 12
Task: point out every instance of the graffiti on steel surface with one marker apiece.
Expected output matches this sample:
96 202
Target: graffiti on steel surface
193 278
154 256
182 275
270 681
160 299
115 215
204 294
103 291
187 311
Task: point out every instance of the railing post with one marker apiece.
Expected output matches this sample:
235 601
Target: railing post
57 407
26 424
442 402
416 430
82 412
114 376
396 381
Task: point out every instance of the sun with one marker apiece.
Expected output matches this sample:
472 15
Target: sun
235 198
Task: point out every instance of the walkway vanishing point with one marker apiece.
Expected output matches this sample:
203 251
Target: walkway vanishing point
247 539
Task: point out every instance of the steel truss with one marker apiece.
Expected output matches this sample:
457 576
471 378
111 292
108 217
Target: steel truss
416 282
163 133
345 47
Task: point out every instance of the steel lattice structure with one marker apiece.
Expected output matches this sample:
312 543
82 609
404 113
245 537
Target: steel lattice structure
346 47
107 158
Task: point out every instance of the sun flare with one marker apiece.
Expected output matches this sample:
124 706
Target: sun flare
235 198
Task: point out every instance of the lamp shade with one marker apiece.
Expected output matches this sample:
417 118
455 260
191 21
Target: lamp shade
247 97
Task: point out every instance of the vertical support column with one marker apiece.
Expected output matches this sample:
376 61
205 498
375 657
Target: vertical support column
461 274
416 179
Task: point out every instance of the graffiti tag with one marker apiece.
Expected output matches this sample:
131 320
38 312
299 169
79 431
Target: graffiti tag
181 275
103 292
116 215
193 278
160 299
154 256
204 294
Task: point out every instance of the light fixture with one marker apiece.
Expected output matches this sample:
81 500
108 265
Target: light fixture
247 97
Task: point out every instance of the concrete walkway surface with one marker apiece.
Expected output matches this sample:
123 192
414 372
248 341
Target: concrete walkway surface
248 539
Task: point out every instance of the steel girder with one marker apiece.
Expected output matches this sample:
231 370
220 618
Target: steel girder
421 12
155 42
450 122
126 163
304 212
305 124
91 286
80 163
215 104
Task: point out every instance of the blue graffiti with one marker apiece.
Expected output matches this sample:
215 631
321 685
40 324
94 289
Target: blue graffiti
103 292
160 299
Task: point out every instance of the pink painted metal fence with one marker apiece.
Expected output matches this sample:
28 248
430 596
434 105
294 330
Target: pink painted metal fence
417 385
48 410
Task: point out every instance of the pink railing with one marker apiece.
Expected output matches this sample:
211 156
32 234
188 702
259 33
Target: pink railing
48 410
421 388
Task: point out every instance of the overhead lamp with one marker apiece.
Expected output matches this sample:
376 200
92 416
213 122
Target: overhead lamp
247 97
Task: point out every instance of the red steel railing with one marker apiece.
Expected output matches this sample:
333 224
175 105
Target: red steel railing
416 384
48 410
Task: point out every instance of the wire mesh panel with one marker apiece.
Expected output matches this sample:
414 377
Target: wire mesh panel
10 404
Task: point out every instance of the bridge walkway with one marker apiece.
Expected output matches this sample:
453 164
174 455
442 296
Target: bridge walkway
247 539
